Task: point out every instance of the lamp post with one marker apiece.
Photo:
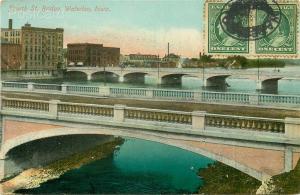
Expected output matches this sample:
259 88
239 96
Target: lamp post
158 67
258 71
104 75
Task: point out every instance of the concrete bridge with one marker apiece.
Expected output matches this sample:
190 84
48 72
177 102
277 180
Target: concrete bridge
259 147
210 77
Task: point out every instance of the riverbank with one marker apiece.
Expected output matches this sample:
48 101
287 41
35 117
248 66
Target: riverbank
32 178
222 179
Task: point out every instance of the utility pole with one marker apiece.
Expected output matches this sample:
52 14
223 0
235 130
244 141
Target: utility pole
258 66
104 75
158 67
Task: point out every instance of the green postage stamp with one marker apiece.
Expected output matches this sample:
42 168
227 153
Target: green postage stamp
283 39
218 40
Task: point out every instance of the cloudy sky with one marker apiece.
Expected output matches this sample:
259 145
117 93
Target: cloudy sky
144 26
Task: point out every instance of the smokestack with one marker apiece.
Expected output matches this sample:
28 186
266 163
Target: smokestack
168 49
10 23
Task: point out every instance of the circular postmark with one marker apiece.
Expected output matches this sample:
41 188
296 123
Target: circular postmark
238 18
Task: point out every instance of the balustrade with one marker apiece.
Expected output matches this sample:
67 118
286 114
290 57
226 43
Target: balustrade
14 85
177 94
25 104
159 116
51 87
83 89
86 109
225 97
206 96
247 123
279 99
131 92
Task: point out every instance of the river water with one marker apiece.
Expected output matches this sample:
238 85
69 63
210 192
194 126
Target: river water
137 167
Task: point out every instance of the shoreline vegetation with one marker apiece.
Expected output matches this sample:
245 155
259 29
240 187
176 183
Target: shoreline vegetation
236 62
32 178
222 179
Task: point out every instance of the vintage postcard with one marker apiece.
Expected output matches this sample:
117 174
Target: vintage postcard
150 97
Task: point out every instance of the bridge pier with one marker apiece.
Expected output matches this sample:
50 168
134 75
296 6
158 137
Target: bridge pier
271 84
216 81
89 77
121 79
158 80
292 128
288 159
2 169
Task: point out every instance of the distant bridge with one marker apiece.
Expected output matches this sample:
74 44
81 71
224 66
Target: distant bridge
210 77
259 147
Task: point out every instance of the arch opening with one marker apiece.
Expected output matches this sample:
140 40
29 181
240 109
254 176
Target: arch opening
269 85
75 76
105 76
172 79
217 82
176 143
135 77
42 152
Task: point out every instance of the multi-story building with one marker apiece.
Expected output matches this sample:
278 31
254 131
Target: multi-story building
42 48
88 54
11 55
11 35
141 59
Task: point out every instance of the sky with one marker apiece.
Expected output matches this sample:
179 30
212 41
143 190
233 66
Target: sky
136 26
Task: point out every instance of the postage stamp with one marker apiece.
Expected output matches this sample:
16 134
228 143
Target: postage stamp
219 40
283 39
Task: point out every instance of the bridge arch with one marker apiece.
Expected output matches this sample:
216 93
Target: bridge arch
23 139
105 76
135 77
76 74
174 78
216 81
268 84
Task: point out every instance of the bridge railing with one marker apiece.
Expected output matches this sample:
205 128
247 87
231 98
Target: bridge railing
81 89
245 123
121 113
46 87
85 109
164 94
24 104
166 116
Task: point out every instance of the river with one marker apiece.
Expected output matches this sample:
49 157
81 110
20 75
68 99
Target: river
137 167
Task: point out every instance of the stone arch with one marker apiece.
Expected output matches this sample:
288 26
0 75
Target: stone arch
216 81
268 84
172 78
105 76
76 74
23 139
135 77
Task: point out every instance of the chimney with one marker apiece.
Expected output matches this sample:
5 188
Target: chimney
168 49
10 23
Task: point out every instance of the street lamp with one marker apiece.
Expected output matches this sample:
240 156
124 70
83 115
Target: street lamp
258 66
104 75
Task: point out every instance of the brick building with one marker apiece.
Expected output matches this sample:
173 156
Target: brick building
11 35
88 54
42 48
11 56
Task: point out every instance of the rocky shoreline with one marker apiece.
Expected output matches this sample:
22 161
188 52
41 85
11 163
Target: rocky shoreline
32 178
222 179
